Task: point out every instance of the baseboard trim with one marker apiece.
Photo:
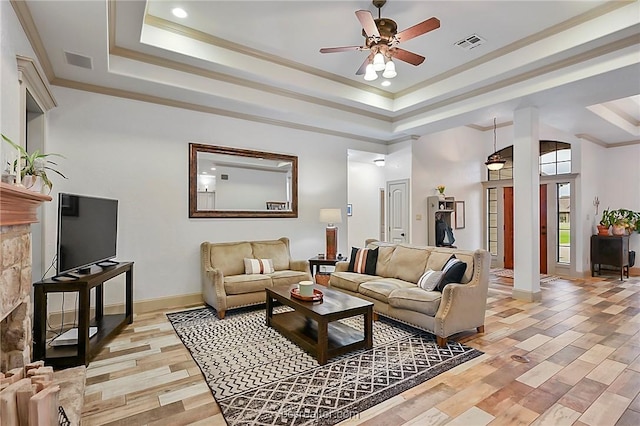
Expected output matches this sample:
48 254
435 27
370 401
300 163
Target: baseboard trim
141 307
526 295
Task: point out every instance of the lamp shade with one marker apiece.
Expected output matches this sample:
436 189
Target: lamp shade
331 215
495 162
378 62
370 73
389 70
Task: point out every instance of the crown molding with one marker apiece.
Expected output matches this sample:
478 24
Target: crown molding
627 143
244 50
35 82
623 115
127 94
485 128
573 60
29 26
190 69
548 32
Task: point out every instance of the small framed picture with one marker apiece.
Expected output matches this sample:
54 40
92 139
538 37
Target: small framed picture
459 211
349 210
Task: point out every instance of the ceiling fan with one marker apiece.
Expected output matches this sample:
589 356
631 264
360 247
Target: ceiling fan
382 37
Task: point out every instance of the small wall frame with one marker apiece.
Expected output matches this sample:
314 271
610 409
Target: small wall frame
459 214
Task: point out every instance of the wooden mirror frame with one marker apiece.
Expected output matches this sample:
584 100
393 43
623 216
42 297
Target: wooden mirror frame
195 148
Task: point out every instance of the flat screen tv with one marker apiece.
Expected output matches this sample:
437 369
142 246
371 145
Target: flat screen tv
87 232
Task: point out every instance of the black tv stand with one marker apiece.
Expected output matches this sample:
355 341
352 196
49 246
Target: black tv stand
108 324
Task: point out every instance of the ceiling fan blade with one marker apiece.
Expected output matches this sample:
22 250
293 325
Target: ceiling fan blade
339 49
406 56
363 67
368 24
418 29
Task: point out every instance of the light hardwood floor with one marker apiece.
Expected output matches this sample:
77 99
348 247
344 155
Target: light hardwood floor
582 342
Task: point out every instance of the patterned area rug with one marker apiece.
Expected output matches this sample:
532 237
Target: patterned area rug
259 377
508 273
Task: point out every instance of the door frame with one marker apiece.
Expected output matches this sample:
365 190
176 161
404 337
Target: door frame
553 266
509 225
407 214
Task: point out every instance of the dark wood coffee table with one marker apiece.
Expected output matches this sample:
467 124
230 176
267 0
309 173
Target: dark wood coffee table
313 325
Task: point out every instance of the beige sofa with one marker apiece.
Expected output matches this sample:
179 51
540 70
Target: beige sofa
395 294
225 285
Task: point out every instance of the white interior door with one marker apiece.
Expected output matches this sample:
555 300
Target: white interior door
398 208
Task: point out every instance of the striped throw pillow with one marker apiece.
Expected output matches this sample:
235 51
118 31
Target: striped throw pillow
363 260
452 272
430 280
258 266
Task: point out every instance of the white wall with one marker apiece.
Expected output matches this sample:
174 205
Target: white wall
455 159
138 153
12 41
620 183
365 182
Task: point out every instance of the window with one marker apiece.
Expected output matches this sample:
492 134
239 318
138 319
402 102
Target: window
492 215
564 222
555 159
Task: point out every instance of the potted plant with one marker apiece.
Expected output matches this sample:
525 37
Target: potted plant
605 222
34 166
440 189
624 221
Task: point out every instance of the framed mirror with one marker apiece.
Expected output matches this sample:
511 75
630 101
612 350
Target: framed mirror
231 182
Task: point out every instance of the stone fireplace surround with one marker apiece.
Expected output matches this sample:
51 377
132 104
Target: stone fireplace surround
17 211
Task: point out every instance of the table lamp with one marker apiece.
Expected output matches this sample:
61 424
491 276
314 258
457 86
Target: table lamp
331 217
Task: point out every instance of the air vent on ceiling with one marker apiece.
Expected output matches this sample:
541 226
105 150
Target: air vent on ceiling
78 60
468 43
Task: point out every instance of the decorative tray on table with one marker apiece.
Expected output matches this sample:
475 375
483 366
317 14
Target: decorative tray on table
317 295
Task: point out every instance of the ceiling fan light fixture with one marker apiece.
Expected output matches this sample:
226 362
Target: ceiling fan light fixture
389 70
370 74
378 62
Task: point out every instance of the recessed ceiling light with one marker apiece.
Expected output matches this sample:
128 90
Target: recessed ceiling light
179 13
385 83
213 168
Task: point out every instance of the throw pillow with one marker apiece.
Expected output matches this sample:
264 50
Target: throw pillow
430 279
258 266
452 272
363 260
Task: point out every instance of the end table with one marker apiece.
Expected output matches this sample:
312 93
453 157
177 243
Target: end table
316 262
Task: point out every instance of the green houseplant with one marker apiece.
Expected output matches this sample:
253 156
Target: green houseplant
35 164
625 221
605 222
621 220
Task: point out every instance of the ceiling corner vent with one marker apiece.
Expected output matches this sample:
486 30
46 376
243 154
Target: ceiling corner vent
468 43
78 60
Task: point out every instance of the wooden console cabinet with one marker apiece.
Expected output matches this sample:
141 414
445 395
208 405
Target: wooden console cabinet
108 325
610 250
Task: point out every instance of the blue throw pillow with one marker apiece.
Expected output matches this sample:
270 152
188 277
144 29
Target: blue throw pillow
452 272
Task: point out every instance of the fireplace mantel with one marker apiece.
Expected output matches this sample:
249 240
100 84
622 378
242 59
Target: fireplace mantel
18 205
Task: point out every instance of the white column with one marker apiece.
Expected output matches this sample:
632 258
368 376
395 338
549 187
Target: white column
526 200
